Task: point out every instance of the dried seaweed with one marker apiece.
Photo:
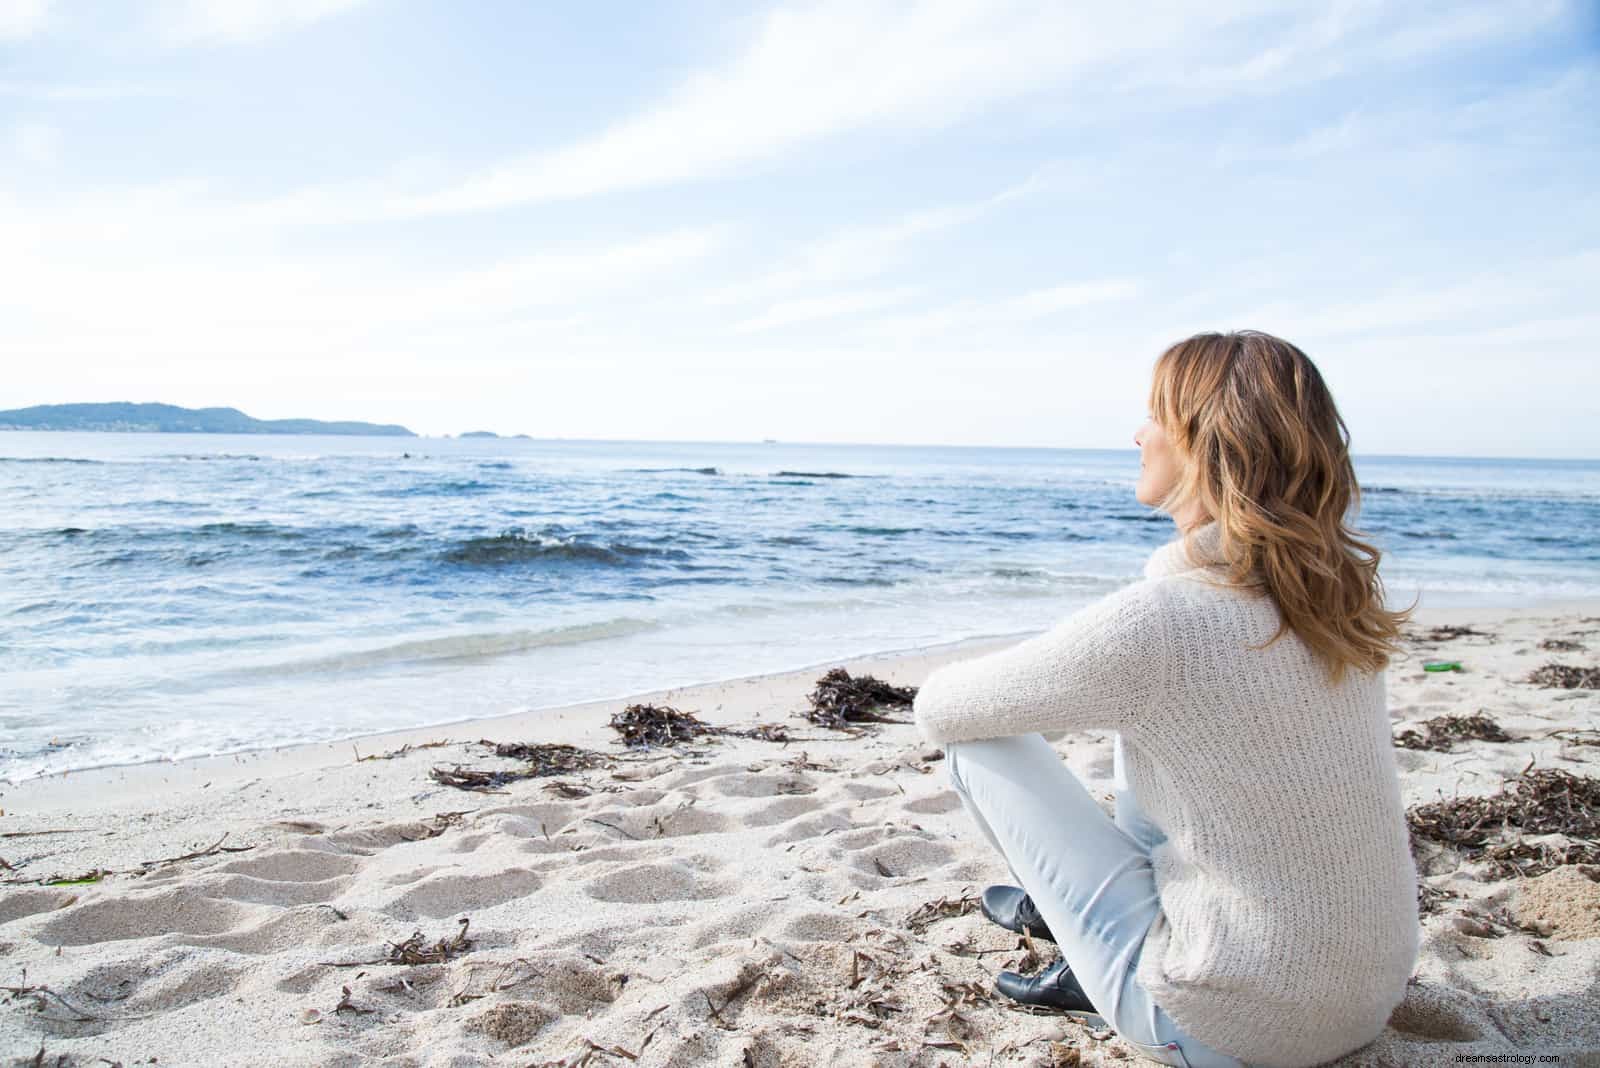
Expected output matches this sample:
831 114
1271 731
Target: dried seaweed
943 908
840 700
1561 645
547 758
647 726
1536 802
644 726
1447 633
477 779
1566 677
416 950
1429 898
542 759
1442 732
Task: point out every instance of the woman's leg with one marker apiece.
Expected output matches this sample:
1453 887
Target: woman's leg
1092 882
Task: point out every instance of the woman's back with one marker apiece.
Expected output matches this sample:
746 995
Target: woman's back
1288 893
1286 880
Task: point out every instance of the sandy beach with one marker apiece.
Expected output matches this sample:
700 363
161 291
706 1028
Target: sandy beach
724 901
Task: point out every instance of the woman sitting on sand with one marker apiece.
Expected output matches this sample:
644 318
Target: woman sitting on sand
1255 898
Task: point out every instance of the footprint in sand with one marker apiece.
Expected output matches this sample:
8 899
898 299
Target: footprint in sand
1425 1016
440 896
645 883
898 851
15 906
763 784
183 910
254 891
867 791
934 804
292 866
164 982
778 810
824 823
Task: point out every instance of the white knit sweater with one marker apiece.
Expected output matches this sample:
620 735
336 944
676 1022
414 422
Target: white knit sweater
1289 916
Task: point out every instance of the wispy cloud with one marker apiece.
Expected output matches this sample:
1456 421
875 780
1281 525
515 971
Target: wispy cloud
235 21
852 253
22 18
37 143
823 70
963 316
68 93
811 309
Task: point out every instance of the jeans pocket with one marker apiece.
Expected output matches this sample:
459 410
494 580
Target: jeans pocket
1166 1053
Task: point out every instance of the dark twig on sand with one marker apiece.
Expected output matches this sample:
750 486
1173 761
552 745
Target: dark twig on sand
1441 732
215 847
402 751
840 700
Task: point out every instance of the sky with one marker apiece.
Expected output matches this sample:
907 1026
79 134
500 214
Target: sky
969 222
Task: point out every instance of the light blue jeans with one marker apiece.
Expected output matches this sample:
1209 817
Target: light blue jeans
1091 879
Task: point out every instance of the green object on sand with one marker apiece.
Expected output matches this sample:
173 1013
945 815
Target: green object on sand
1441 665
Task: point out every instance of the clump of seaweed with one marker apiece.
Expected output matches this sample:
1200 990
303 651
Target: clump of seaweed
840 700
1447 633
943 908
1561 645
1442 732
416 950
1566 677
645 726
1536 802
547 758
542 759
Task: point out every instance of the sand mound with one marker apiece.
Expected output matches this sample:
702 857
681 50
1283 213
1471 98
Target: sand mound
1564 902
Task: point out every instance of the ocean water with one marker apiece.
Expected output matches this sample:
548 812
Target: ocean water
165 596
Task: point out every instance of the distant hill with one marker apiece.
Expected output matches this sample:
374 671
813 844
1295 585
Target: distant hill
480 434
170 419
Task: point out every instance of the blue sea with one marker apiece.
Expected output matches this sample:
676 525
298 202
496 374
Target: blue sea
165 596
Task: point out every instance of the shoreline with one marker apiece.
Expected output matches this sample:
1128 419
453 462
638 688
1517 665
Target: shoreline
109 782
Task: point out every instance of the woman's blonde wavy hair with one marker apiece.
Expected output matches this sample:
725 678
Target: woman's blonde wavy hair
1266 454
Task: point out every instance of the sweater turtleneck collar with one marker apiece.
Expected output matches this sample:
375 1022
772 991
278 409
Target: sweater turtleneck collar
1205 550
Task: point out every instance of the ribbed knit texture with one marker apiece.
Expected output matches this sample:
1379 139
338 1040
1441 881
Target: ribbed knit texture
1289 917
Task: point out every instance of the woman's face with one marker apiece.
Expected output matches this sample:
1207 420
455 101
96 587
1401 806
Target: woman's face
1158 463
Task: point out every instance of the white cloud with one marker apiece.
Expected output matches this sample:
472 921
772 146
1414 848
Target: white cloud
198 21
827 69
37 143
67 93
864 250
811 309
20 19
1032 305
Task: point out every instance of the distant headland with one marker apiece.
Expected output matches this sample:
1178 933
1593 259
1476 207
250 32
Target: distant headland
170 419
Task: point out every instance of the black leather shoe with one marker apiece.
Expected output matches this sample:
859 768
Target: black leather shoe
1054 988
1012 908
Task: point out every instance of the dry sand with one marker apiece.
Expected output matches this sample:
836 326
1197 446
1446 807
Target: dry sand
734 902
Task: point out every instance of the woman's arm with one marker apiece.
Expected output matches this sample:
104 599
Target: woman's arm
1101 667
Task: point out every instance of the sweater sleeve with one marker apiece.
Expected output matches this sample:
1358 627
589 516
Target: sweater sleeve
1101 667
